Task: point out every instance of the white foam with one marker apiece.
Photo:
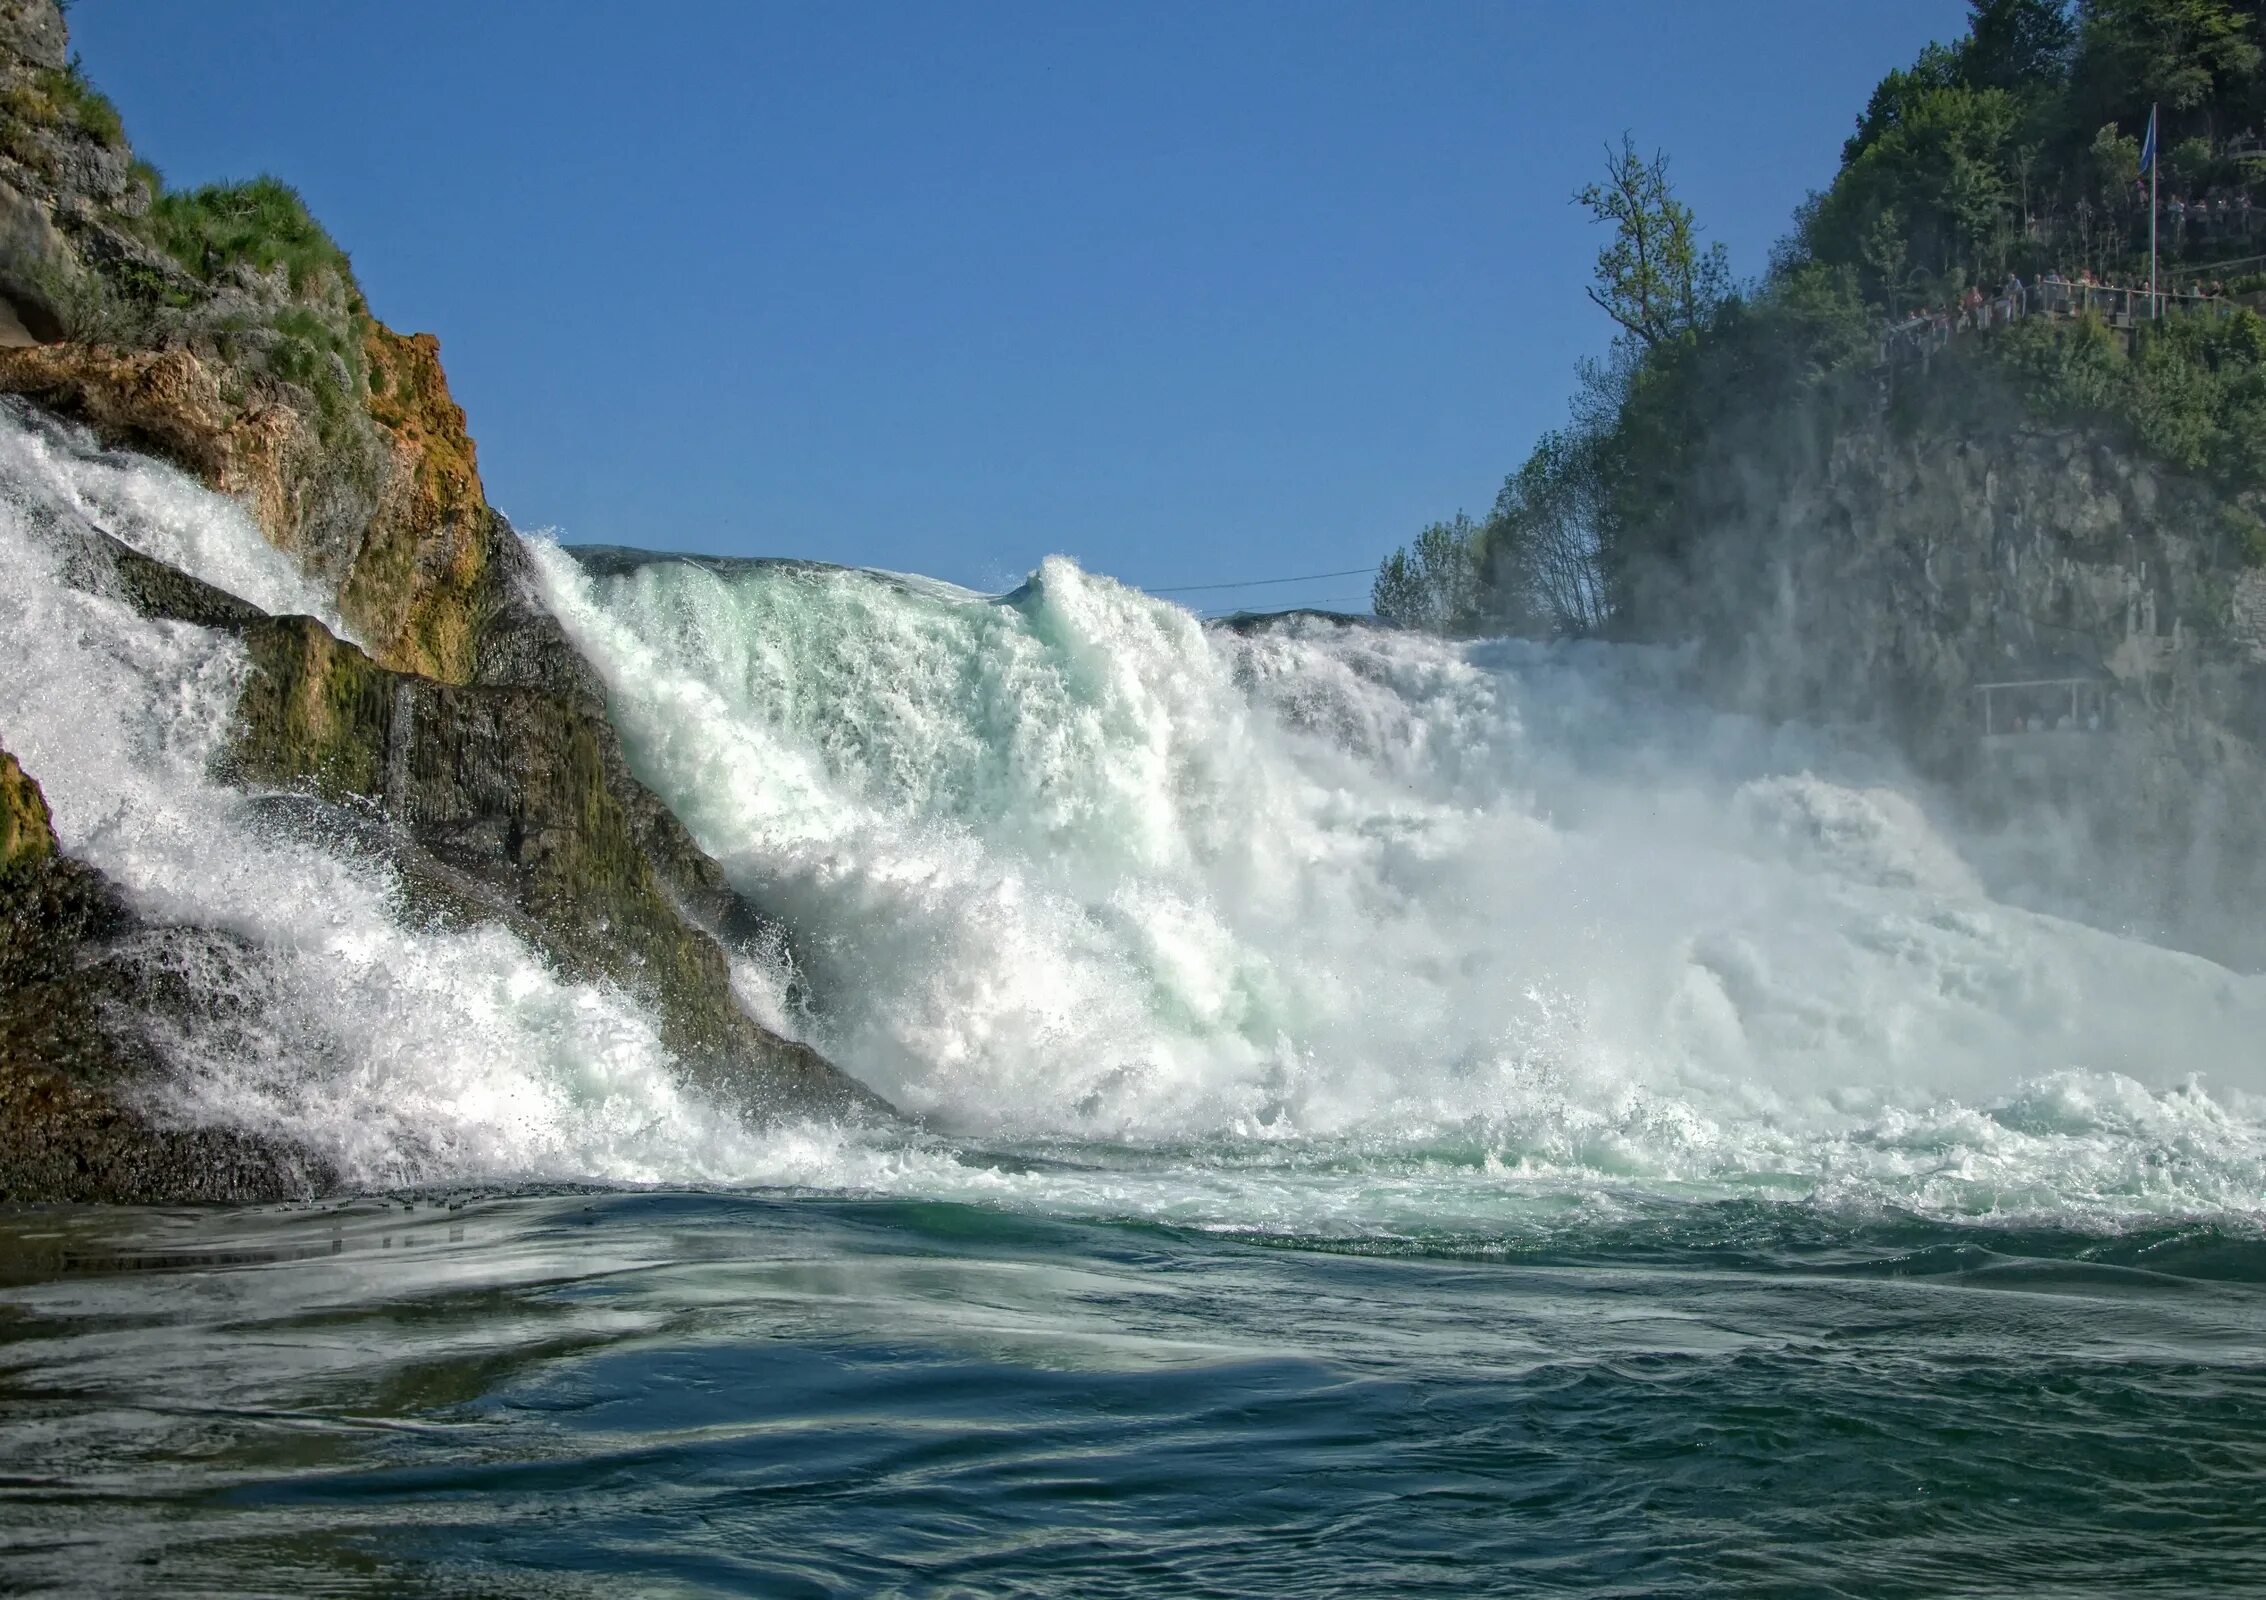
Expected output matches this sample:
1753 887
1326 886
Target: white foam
1075 868
54 470
406 1054
1325 928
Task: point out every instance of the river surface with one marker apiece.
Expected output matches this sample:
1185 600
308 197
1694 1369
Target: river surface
1383 1116
791 1394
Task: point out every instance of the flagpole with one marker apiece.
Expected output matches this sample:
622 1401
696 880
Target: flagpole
2154 161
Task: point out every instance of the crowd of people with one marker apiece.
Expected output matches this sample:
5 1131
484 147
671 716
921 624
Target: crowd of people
2216 215
2121 299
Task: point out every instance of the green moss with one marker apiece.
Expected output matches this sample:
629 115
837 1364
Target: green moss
316 712
324 358
27 831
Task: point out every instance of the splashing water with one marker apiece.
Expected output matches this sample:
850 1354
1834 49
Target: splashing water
1391 914
1694 1181
405 1053
1319 928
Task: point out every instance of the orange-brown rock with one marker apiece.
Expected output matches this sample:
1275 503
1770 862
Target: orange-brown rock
27 832
168 403
413 583
424 562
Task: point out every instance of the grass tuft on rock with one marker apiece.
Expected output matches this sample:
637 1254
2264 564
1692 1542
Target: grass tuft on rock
262 224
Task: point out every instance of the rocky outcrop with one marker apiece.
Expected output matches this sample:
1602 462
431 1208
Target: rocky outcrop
27 832
520 805
78 995
223 330
507 803
1878 567
166 403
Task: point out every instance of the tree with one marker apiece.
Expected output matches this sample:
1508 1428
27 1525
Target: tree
1433 583
2183 54
1889 106
1941 171
2115 161
1543 552
1884 250
1654 280
2014 44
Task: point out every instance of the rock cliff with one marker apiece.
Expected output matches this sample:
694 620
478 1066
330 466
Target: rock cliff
1880 564
223 330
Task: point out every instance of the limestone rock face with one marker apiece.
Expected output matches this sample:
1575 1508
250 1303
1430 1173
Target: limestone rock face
268 378
165 403
35 27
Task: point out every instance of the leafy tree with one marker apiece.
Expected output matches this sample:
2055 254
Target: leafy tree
1543 546
2181 53
1433 583
2016 44
1942 172
1887 109
1653 279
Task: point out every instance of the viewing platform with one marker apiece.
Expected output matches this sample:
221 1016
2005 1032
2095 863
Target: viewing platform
2119 306
2028 711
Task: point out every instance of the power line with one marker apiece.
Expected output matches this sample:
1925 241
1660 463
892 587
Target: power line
1259 583
1319 603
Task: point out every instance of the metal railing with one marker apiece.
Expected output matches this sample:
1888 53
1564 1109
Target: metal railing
1919 336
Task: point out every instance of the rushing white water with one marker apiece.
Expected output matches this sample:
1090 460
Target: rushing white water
1070 866
405 1053
1324 927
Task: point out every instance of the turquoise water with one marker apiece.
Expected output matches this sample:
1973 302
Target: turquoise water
591 1393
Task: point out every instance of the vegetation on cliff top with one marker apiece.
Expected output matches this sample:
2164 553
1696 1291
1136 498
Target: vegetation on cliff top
262 224
2013 151
339 432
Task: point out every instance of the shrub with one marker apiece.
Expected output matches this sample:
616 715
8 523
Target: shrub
1434 583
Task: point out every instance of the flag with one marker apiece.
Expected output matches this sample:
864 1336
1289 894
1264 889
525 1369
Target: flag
2148 144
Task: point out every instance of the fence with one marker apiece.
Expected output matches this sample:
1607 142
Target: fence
1920 336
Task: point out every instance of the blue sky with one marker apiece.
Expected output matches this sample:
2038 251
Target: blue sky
1192 292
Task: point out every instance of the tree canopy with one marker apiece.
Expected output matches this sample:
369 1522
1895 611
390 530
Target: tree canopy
2013 149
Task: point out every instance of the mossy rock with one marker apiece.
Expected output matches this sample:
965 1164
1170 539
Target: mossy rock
522 797
27 830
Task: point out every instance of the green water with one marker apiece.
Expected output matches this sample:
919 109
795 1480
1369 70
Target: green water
611 1393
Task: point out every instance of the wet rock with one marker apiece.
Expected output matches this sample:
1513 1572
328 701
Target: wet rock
78 1115
521 799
